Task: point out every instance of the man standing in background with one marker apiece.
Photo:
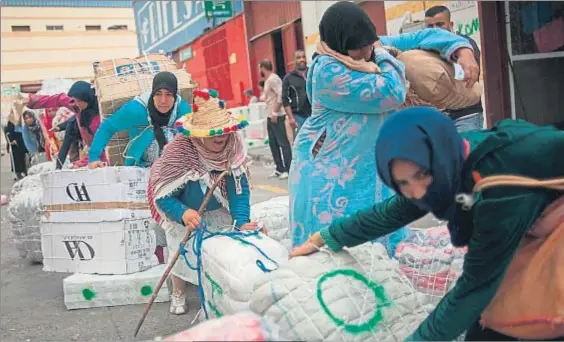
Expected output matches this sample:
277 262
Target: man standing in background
277 139
294 96
468 118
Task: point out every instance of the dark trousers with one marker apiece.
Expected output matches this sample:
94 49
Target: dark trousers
279 144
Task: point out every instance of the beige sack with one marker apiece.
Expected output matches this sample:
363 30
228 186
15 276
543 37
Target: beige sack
432 79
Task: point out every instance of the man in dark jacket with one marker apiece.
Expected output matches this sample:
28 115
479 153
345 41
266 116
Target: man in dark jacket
294 97
466 118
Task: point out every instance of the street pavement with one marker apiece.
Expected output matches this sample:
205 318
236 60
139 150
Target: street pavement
31 301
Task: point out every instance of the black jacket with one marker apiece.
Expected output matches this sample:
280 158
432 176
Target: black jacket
72 137
294 94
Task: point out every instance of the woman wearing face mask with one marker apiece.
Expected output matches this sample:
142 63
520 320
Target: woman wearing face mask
80 99
352 87
148 118
509 230
208 145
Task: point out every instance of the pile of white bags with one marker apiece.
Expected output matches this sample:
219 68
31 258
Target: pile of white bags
55 86
24 215
40 168
231 267
354 295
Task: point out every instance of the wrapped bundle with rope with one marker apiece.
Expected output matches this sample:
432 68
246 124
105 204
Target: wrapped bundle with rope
432 82
24 215
120 80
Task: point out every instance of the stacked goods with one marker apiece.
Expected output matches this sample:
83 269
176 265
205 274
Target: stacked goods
97 221
23 215
120 80
93 290
354 295
274 214
230 268
244 326
430 262
432 82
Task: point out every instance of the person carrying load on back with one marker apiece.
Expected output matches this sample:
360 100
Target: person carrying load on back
82 101
149 119
502 192
471 117
208 144
353 86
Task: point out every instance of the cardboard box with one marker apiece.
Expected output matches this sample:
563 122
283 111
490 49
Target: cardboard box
118 241
103 188
93 290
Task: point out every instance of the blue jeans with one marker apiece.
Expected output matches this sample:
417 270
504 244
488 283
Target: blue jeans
300 120
470 122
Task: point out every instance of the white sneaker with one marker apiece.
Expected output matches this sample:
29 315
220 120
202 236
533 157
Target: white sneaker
275 174
177 304
283 175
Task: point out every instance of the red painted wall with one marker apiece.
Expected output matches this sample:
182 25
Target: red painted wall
376 12
263 16
221 61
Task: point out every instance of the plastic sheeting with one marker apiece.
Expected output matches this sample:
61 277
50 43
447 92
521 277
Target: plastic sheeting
24 215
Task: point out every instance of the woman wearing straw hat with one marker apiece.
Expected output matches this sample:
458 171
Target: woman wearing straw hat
208 145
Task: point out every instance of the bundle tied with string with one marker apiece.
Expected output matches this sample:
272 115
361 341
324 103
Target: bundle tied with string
228 263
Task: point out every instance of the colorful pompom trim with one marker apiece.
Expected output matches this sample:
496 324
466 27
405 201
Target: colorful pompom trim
213 93
221 104
202 94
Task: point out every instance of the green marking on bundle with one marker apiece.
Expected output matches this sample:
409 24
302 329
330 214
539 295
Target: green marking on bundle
215 286
146 290
378 291
88 294
215 310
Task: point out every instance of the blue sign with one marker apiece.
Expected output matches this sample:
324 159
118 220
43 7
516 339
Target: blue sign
166 25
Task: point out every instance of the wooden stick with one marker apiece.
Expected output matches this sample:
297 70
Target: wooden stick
177 254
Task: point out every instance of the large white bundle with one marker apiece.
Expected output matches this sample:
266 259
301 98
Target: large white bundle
24 216
93 290
40 168
354 295
275 215
55 86
230 269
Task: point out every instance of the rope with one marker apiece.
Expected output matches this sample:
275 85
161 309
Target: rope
200 235
509 180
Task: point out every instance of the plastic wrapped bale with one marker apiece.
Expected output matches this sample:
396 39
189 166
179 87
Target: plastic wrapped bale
431 263
230 268
275 215
41 168
24 216
244 326
355 295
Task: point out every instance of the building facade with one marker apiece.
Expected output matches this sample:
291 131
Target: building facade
62 39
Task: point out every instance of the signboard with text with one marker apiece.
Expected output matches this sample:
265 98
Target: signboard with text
218 9
165 25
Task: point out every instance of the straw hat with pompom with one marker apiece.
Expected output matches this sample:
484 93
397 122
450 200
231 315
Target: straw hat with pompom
208 117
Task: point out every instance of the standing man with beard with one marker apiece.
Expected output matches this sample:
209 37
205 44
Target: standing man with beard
294 96
468 118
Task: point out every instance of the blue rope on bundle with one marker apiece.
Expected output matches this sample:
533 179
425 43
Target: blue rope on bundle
200 235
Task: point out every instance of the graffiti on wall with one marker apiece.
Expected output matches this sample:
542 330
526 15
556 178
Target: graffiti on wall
468 28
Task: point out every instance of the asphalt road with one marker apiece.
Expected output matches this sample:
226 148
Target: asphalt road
31 301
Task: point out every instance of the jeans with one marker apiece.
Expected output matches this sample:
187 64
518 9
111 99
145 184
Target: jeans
470 122
279 144
300 120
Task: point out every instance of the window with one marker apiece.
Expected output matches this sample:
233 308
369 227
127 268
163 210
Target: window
93 27
54 27
118 28
21 29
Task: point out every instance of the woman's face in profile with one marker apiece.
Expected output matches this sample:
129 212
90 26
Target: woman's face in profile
362 53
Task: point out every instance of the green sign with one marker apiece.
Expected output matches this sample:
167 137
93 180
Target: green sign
186 54
218 9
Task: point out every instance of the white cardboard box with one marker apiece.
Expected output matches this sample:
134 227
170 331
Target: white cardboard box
103 185
118 241
92 290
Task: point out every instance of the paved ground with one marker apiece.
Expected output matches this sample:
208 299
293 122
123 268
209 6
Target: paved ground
31 301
